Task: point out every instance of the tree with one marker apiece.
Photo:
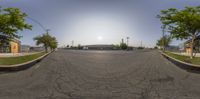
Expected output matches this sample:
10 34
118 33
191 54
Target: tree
117 47
123 46
47 41
182 24
53 43
164 41
12 20
79 46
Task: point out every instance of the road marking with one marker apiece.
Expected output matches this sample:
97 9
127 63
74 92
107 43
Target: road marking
37 66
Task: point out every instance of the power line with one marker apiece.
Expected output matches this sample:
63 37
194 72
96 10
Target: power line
46 30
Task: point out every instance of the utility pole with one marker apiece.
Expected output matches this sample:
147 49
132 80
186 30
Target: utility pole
47 30
122 41
163 38
127 38
34 20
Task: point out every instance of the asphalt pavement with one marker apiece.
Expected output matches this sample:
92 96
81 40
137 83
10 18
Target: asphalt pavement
74 74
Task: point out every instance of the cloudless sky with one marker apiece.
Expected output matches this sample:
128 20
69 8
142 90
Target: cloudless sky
96 21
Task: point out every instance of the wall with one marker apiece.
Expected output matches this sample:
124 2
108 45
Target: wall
14 47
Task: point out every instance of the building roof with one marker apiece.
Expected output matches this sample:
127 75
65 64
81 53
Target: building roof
4 37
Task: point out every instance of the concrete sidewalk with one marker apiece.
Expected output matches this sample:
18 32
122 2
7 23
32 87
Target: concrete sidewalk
186 54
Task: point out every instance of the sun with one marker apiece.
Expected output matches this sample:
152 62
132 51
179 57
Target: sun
99 38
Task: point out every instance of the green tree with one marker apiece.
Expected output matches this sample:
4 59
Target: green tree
164 41
53 43
123 46
182 24
12 20
47 41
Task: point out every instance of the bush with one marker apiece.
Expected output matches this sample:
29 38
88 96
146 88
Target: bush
123 46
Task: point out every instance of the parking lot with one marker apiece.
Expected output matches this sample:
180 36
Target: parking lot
84 74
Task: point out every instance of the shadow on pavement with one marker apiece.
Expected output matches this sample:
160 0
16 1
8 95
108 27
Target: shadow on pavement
184 66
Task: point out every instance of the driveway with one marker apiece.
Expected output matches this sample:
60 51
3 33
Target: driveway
73 74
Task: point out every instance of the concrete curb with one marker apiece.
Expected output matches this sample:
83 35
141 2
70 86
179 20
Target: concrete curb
23 66
181 63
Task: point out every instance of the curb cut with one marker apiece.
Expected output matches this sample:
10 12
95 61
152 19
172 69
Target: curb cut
181 64
22 66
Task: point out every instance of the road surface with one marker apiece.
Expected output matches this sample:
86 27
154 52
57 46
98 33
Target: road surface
68 74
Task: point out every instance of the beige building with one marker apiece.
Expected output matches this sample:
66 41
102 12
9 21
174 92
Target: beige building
12 46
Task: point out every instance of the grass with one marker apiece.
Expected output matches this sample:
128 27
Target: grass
195 60
20 59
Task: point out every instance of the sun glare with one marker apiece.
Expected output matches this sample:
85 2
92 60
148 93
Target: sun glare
99 38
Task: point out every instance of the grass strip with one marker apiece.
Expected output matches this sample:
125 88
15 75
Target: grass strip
20 59
187 59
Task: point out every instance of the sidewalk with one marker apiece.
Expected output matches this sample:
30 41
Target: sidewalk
186 54
17 54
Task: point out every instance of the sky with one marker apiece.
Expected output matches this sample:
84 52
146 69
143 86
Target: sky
89 22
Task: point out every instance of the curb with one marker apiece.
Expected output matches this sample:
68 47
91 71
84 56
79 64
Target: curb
22 66
181 64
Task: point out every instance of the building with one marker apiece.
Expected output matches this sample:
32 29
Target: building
196 45
173 48
25 48
36 49
104 47
9 46
99 47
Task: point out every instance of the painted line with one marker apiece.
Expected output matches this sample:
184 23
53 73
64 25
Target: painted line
37 66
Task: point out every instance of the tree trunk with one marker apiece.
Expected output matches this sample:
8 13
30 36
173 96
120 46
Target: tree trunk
163 48
192 47
46 49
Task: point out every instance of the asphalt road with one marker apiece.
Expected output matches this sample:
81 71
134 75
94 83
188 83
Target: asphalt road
71 74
